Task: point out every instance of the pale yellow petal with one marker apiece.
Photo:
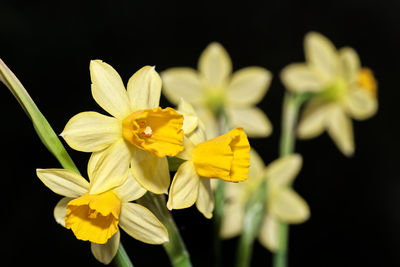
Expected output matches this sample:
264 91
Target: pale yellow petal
232 220
141 224
256 164
111 168
360 104
182 83
210 122
340 128
151 171
350 63
289 207
61 210
253 120
91 131
144 89
190 118
215 64
184 188
299 78
205 199
187 153
248 86
312 120
269 233
130 190
108 89
104 253
63 182
321 54
283 171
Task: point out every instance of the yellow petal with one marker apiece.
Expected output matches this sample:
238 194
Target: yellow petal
190 118
269 235
111 168
104 253
283 171
144 89
360 104
350 63
313 119
321 54
158 131
205 199
150 171
215 64
130 190
63 182
184 188
182 83
340 128
289 207
253 120
225 157
187 153
248 86
91 131
94 217
61 210
299 78
142 225
108 89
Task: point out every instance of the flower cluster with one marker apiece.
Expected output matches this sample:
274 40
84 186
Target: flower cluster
130 151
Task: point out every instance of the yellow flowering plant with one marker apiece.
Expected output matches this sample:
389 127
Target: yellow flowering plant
136 146
341 89
214 87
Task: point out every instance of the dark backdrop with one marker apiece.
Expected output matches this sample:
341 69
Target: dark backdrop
48 44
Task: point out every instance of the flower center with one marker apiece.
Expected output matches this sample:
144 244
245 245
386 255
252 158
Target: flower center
157 131
215 99
336 91
367 81
94 217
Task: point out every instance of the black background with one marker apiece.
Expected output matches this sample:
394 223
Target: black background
48 44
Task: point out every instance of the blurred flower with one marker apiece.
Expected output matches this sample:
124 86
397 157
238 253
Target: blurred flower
95 217
139 134
343 90
283 203
214 87
225 157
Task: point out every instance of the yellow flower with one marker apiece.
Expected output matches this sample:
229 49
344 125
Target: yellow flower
96 217
283 203
225 157
214 87
343 90
139 133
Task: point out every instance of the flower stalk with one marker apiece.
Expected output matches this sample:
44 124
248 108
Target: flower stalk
47 136
175 248
290 111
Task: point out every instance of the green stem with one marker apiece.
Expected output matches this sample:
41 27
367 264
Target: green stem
46 134
254 214
175 248
291 106
121 258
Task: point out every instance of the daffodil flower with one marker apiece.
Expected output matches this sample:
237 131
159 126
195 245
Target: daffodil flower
225 157
214 87
95 210
283 203
139 133
343 90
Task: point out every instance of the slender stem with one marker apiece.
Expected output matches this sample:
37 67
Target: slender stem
46 134
121 258
291 107
175 248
